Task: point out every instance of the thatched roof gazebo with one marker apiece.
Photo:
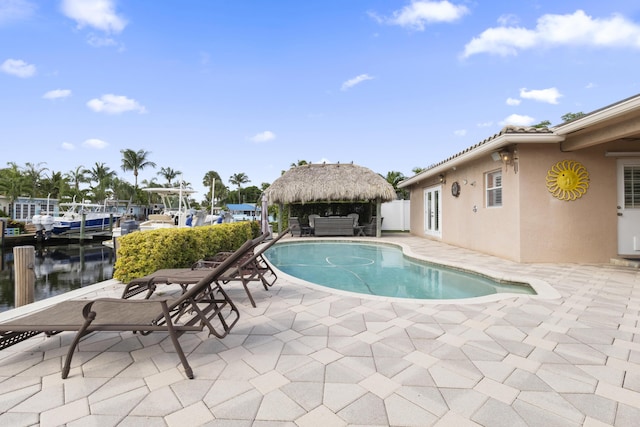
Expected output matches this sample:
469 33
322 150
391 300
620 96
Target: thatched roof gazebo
330 182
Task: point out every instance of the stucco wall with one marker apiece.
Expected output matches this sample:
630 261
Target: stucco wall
531 225
582 230
466 221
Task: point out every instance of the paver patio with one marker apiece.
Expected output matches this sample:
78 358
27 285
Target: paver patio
307 356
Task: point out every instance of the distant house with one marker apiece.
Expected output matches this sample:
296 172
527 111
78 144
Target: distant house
24 208
243 211
570 193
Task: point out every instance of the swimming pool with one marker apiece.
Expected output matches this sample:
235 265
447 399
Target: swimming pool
382 270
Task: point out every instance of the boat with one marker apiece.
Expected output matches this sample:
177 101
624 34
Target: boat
96 217
173 211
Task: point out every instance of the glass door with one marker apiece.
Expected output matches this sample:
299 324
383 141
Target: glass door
433 211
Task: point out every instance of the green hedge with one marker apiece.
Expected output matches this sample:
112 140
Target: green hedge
142 253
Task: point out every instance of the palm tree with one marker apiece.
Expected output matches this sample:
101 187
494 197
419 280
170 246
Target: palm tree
56 185
103 176
394 178
122 190
213 181
77 176
418 169
13 183
135 161
169 174
33 173
239 179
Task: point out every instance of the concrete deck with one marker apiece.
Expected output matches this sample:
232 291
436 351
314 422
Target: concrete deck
307 356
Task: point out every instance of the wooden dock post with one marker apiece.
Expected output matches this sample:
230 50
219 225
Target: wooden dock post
24 259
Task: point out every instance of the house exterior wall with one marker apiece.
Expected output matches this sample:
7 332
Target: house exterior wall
466 221
531 225
581 230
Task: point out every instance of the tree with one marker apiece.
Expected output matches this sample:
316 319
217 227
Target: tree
213 181
75 178
394 178
542 124
103 176
238 179
418 170
122 190
34 173
572 116
13 183
55 186
135 161
169 174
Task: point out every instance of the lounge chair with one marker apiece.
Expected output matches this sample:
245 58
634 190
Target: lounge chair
371 228
190 312
296 226
181 276
312 223
250 267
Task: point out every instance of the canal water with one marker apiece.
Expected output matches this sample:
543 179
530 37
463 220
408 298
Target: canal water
58 269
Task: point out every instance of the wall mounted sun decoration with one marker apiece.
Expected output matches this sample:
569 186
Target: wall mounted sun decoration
568 180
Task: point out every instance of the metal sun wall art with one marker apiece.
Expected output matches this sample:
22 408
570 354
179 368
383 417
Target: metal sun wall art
568 180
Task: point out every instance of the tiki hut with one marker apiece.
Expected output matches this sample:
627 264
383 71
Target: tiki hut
334 182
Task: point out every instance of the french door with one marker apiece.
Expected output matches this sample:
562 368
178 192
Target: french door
433 211
629 207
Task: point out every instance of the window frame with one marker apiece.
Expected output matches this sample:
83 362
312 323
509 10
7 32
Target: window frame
493 194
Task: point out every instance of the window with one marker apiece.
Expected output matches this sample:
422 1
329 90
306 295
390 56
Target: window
493 184
631 187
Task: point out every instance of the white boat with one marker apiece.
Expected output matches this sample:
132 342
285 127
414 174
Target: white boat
173 211
96 217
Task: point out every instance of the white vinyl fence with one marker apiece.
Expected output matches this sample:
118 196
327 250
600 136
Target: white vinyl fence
396 215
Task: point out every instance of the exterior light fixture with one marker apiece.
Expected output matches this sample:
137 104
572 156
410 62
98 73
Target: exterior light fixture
441 178
506 156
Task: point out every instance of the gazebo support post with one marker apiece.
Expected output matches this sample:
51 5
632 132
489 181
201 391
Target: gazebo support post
378 218
281 211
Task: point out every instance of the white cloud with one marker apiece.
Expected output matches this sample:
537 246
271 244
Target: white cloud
513 101
95 143
67 146
549 96
485 124
263 136
19 68
97 41
460 132
115 104
420 13
590 85
57 93
99 14
15 10
508 19
355 81
518 120
577 29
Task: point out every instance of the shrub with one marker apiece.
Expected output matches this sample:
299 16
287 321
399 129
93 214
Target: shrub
142 253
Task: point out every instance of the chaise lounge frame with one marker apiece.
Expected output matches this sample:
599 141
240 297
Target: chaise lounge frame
252 266
192 311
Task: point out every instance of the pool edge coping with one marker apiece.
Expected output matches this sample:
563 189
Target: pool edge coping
543 289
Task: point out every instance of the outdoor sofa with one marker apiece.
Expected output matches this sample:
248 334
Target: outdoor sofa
333 226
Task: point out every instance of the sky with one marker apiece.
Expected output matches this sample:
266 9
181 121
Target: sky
239 86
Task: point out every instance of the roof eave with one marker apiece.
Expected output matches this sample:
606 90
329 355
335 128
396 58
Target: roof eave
598 116
482 150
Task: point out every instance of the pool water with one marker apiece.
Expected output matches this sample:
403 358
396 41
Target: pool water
381 270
